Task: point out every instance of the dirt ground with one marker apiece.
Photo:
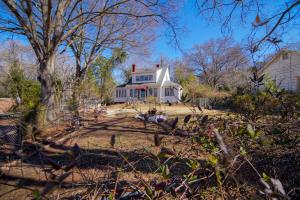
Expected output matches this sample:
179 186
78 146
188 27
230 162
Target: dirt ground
120 149
133 140
6 104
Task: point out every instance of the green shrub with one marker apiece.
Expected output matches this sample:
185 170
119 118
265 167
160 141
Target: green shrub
284 104
31 94
18 85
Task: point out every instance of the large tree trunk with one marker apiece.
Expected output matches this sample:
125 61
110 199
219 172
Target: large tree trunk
45 109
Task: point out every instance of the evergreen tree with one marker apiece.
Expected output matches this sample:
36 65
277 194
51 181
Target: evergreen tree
103 70
26 91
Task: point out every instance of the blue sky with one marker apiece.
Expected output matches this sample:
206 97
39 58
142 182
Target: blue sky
199 30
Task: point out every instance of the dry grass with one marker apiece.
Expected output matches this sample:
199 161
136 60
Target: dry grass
174 110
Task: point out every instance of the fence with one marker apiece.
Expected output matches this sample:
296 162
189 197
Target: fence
204 102
9 134
9 122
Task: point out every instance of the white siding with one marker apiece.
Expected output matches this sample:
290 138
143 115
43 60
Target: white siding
158 72
166 76
295 70
285 72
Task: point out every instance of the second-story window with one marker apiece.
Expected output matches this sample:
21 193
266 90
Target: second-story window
144 78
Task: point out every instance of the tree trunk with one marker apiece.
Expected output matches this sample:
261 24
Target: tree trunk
76 96
76 93
45 109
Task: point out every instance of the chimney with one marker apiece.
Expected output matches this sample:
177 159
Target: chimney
157 65
133 67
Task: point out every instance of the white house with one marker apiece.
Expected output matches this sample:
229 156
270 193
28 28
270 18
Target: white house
149 82
284 69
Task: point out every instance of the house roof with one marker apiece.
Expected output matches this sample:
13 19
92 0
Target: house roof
275 57
145 70
130 83
124 84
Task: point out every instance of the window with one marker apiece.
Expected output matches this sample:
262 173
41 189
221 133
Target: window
148 78
169 91
285 56
136 93
144 78
131 92
155 92
150 92
121 92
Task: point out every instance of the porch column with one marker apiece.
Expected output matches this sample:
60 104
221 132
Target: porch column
159 93
139 93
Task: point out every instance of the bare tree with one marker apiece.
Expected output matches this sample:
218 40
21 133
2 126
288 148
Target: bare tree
106 34
48 24
268 19
182 72
14 49
214 59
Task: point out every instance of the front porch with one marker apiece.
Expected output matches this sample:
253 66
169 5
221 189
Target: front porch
166 93
142 92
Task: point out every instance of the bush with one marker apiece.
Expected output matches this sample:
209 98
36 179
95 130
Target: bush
31 94
282 103
269 100
18 85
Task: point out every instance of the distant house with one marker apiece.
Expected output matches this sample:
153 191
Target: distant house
284 69
144 83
